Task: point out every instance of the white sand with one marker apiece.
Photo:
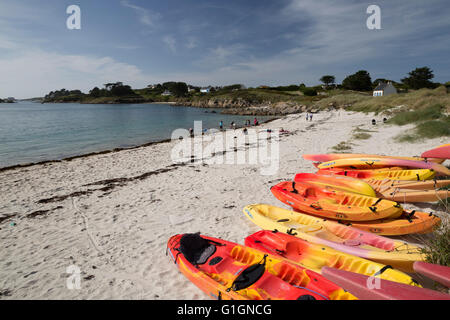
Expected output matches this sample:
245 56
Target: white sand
119 235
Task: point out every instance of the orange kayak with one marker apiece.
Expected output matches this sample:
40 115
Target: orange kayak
411 185
380 174
336 156
409 222
342 183
227 270
334 204
377 163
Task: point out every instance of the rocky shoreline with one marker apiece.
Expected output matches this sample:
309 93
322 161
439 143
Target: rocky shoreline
243 107
227 106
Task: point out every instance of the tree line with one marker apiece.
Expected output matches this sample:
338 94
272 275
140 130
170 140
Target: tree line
361 81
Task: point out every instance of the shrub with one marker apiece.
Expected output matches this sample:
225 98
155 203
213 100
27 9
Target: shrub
310 92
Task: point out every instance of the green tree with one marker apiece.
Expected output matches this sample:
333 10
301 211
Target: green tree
419 78
178 89
360 81
327 80
95 92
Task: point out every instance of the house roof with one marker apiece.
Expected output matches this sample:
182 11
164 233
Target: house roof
380 86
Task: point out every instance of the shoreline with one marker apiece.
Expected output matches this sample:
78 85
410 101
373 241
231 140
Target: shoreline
112 214
118 149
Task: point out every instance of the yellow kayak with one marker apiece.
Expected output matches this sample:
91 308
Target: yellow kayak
399 254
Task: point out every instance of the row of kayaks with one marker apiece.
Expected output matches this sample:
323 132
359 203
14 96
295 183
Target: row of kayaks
276 266
329 246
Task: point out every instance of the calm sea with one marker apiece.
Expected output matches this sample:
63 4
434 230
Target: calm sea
32 132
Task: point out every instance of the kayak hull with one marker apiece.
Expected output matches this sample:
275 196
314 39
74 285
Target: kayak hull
374 163
346 184
369 288
436 272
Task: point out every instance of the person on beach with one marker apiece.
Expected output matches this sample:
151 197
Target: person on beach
307 116
255 122
233 124
191 132
310 117
221 125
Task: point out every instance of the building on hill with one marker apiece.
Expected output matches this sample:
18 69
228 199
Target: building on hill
166 93
206 89
384 89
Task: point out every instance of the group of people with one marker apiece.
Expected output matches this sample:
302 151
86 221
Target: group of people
233 124
309 116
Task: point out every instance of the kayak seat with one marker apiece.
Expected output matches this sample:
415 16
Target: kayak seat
195 249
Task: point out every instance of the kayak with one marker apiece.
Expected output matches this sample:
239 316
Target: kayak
396 253
409 222
227 270
315 257
380 174
442 152
369 288
336 156
334 204
411 185
374 163
386 189
435 272
342 183
408 195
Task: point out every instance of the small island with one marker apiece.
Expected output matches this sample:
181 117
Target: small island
8 100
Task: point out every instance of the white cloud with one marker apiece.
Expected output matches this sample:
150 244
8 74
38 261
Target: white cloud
146 16
38 72
191 43
170 43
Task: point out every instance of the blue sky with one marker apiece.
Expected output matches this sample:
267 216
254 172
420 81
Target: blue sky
215 42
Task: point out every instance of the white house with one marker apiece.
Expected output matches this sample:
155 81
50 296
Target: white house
166 93
384 89
205 90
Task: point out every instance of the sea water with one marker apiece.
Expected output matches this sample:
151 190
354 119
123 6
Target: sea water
33 132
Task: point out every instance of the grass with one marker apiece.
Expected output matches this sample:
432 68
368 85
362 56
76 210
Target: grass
437 247
433 112
342 146
358 129
361 136
428 130
365 102
434 128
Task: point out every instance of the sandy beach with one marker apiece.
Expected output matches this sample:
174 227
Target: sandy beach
111 214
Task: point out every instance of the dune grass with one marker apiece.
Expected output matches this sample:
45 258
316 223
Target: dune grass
342 146
433 112
413 100
362 136
437 247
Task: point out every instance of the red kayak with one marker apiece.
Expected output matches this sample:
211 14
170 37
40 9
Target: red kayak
229 271
441 152
370 288
436 272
